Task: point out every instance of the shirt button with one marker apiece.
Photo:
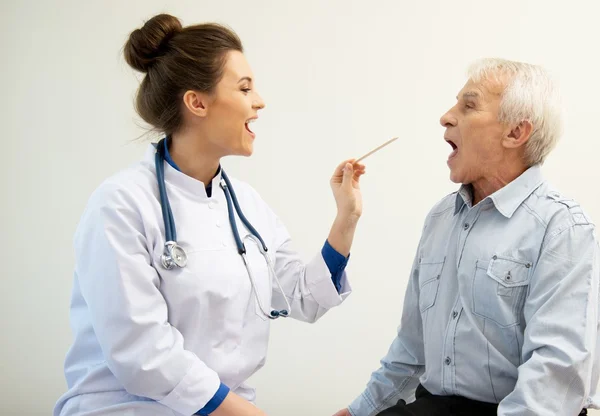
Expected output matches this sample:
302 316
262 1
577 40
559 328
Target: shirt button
454 315
447 361
466 226
495 258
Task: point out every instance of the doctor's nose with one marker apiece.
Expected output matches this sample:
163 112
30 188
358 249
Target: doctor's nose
258 103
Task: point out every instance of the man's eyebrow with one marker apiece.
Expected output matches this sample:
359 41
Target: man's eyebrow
471 94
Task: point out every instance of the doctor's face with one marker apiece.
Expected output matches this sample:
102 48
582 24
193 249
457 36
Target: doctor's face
233 108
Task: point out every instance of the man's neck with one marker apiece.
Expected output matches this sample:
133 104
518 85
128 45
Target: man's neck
492 182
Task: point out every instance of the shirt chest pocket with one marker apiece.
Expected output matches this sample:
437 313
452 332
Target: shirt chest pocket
499 289
430 270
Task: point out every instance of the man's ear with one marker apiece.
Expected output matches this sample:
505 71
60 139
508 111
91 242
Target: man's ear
196 102
518 135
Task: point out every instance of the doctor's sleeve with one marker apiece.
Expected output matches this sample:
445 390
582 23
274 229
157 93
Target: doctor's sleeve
309 287
561 335
128 312
398 376
336 263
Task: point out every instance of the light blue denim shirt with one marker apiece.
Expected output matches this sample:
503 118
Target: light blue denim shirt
501 306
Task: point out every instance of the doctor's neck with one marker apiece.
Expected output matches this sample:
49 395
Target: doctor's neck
193 156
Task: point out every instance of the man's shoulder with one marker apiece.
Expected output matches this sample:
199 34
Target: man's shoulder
553 207
447 203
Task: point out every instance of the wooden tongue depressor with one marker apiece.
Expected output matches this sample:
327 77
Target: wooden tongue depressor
376 149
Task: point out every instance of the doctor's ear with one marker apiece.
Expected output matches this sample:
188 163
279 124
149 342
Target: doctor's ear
196 102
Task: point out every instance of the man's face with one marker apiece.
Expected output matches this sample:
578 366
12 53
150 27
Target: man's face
474 132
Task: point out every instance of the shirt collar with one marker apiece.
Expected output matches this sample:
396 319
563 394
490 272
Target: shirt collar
464 196
508 198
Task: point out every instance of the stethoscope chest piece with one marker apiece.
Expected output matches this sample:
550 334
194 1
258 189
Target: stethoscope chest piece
173 256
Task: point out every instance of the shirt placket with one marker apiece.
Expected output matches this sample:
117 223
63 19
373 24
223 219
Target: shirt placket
465 225
449 370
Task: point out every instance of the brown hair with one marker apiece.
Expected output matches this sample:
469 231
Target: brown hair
175 60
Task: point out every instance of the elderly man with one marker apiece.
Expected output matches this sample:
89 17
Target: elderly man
501 311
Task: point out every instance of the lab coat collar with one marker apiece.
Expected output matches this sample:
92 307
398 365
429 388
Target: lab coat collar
195 188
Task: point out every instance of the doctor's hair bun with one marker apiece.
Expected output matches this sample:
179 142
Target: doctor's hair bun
147 44
175 60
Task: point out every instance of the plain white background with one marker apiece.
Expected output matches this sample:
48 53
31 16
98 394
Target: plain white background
339 78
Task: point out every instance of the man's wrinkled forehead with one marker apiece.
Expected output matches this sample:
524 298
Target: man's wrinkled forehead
481 90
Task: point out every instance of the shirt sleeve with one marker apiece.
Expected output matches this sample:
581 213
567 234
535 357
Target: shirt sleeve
398 376
336 263
215 402
561 314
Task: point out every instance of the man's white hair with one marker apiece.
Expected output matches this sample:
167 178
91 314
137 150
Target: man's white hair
529 94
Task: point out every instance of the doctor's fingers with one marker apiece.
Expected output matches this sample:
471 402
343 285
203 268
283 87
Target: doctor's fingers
358 174
339 170
360 169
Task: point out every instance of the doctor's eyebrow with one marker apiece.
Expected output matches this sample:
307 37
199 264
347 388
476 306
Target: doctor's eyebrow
245 79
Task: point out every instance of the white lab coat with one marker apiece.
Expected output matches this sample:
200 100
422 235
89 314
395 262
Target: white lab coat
151 341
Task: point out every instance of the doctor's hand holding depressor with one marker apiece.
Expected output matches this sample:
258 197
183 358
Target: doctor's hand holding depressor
345 184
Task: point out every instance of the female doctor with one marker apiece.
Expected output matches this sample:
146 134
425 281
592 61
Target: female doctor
180 269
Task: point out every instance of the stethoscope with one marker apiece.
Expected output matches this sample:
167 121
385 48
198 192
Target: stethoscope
174 255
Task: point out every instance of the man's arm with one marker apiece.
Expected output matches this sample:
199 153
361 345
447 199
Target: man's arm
400 369
561 314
